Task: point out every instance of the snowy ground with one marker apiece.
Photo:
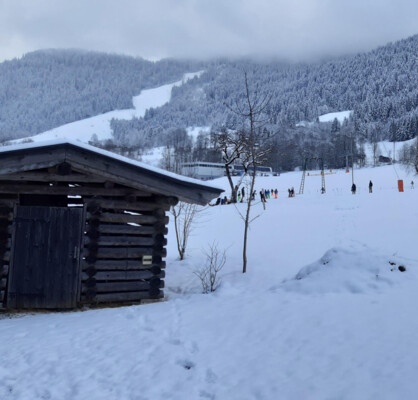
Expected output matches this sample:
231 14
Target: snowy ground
345 329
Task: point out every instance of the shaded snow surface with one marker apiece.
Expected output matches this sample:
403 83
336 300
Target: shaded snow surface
322 313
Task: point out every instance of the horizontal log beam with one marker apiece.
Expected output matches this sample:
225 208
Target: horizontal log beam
122 275
8 216
50 177
124 296
132 286
9 202
127 241
126 229
128 218
64 190
124 265
6 256
4 270
125 252
128 205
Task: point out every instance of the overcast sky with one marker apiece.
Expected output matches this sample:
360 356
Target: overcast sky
153 29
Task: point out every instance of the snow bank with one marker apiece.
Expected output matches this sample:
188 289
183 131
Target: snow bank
354 270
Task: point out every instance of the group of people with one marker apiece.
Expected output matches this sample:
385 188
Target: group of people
354 188
272 193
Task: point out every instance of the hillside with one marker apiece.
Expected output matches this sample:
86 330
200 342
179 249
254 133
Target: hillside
49 88
320 314
46 89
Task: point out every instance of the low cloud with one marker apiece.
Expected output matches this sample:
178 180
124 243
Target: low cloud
296 30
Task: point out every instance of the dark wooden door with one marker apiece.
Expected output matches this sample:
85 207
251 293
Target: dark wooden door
45 262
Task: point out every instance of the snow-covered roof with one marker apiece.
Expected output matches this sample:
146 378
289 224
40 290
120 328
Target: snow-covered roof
206 191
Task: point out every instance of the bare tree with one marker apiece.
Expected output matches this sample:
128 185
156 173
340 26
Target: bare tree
409 155
231 145
184 215
208 274
255 148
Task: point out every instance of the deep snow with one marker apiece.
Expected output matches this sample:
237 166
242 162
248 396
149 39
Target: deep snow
320 314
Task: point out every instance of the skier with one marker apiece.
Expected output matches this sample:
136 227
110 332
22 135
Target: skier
242 194
370 187
353 188
412 184
275 193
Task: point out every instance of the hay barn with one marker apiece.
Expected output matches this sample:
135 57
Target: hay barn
80 225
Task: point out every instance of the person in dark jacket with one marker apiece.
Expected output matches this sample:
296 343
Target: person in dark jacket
353 188
370 187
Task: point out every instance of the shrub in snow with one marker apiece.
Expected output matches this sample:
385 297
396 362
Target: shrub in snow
208 274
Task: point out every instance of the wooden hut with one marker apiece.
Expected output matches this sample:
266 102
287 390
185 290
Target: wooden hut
79 225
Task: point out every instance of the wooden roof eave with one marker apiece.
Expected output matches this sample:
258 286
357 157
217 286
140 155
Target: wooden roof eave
139 178
112 169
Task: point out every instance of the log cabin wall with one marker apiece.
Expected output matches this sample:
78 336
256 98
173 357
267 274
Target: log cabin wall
121 259
6 228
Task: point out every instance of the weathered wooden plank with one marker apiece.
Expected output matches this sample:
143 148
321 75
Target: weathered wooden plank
123 296
23 160
6 256
126 229
44 249
122 275
8 202
126 252
106 265
127 286
141 178
128 205
64 190
126 241
126 218
4 270
8 216
50 177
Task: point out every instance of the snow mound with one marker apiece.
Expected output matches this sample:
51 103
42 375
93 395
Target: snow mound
355 271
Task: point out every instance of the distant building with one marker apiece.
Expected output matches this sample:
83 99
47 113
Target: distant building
207 170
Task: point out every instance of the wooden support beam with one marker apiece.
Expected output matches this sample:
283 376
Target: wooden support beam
130 286
129 205
68 190
9 202
50 177
123 252
123 265
127 241
128 218
122 275
4 270
126 229
124 296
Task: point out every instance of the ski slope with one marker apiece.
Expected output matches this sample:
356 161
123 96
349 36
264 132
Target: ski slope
320 314
341 116
99 125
